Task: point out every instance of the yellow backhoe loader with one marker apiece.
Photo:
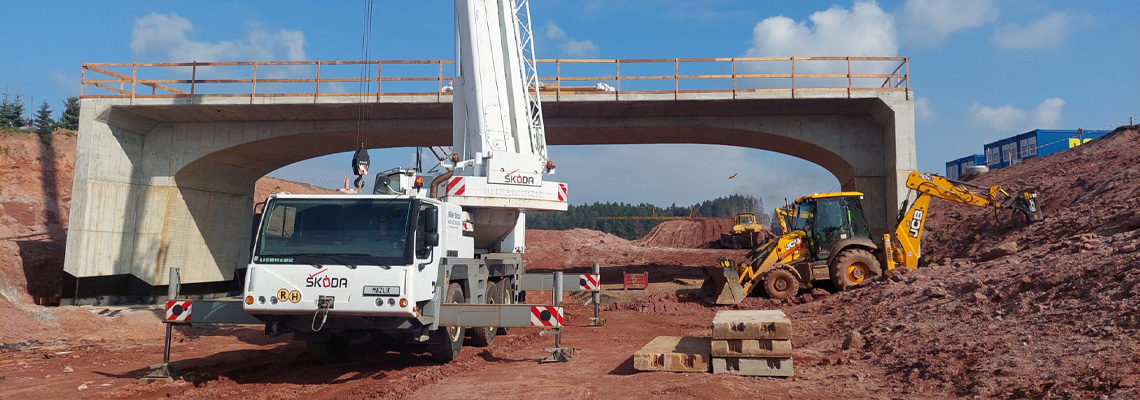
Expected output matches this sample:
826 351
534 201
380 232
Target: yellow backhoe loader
828 240
746 232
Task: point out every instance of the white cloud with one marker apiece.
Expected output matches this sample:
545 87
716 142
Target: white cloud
554 32
1048 113
568 46
1046 32
169 36
1010 119
927 23
578 48
1002 118
922 111
864 30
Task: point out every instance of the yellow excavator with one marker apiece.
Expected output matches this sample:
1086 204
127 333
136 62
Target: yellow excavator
827 240
746 232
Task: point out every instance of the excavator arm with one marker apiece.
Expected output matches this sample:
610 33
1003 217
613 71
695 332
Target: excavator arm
907 248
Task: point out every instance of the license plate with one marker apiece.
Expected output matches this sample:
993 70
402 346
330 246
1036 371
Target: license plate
381 290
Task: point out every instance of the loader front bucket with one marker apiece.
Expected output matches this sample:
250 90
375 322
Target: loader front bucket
722 285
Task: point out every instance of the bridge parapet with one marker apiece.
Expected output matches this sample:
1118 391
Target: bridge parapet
263 82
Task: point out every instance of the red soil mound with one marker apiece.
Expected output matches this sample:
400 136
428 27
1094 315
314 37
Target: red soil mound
583 247
696 233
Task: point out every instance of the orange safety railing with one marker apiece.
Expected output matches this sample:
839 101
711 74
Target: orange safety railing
376 79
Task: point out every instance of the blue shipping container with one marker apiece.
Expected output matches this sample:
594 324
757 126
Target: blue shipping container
1035 143
955 169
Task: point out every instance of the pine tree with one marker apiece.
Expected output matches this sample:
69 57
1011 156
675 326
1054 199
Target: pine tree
12 111
43 122
70 117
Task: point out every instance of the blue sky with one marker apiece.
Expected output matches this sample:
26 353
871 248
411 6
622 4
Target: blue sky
981 69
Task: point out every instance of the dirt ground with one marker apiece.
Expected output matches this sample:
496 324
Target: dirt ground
997 309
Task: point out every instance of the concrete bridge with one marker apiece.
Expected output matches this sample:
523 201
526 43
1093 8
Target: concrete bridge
165 178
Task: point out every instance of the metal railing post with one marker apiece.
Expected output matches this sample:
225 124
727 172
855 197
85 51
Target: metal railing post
253 91
617 69
733 80
676 78
557 293
172 288
134 80
558 353
849 77
596 297
379 70
317 84
793 77
193 78
906 60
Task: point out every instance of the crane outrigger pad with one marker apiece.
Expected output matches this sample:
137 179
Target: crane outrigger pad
722 284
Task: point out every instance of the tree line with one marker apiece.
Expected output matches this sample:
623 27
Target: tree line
593 216
12 114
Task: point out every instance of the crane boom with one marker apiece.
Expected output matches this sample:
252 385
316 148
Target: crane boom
498 133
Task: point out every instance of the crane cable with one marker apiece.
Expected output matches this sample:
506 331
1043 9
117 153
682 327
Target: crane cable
361 155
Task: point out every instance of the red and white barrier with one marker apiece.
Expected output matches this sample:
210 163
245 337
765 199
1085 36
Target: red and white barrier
546 316
178 310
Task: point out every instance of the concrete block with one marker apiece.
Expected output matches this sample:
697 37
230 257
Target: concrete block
753 366
673 353
751 324
751 348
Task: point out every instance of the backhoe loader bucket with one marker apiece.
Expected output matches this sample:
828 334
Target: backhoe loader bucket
722 284
1025 201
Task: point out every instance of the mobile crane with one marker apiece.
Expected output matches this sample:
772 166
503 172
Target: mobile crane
828 240
415 264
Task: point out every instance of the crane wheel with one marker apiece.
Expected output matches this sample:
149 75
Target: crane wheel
503 287
852 267
327 351
448 340
780 284
484 336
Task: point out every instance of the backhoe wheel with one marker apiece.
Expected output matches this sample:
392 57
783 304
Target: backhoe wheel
447 340
781 284
484 336
852 267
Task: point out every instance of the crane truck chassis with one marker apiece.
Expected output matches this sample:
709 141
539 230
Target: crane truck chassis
829 241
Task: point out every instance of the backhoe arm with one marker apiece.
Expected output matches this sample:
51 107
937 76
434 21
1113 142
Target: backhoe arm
907 249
